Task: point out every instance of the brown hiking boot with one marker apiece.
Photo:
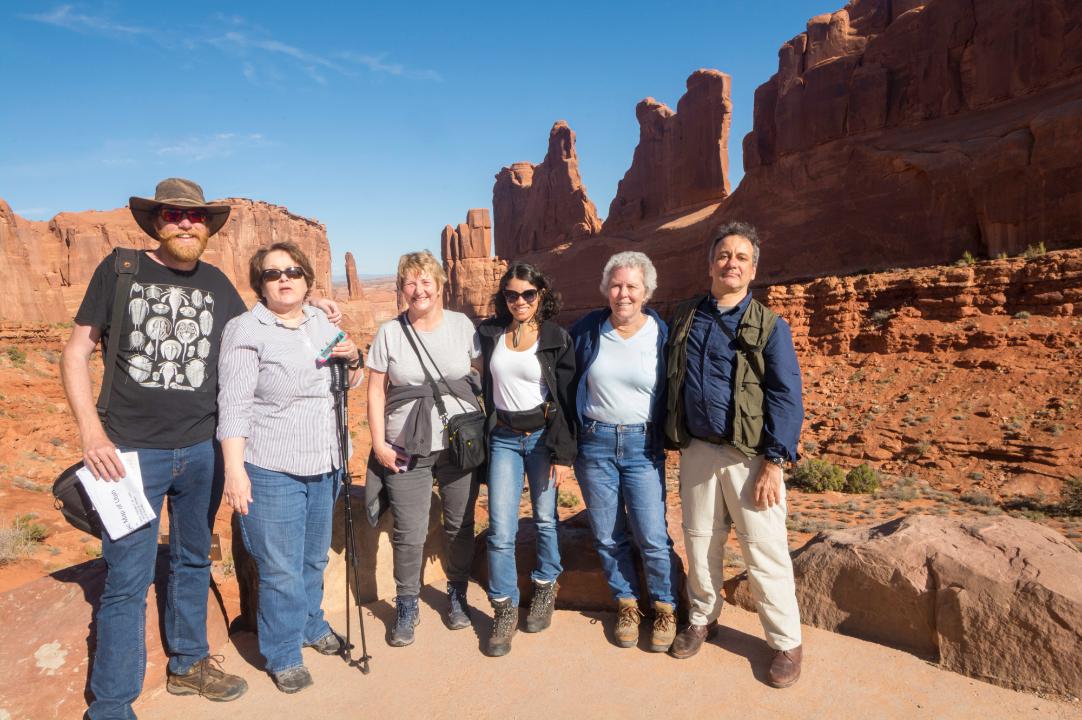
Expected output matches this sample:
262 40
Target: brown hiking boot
785 668
504 625
207 678
691 640
664 627
627 622
541 606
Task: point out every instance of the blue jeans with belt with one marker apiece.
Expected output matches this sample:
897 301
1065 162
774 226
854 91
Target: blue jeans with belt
288 532
191 478
511 454
624 488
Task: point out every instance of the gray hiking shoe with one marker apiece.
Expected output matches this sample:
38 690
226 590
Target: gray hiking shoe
408 617
292 679
541 606
504 625
458 615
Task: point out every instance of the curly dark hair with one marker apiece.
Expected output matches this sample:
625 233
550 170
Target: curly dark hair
549 300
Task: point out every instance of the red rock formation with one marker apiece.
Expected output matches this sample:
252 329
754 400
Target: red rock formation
909 133
978 595
472 274
682 158
353 284
541 207
53 261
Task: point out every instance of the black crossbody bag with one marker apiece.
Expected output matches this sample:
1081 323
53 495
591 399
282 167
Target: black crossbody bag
69 496
466 431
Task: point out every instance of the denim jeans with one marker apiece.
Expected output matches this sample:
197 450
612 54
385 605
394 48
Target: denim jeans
288 532
510 454
624 488
191 478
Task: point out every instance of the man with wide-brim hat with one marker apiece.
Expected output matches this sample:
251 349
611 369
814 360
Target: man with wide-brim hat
160 407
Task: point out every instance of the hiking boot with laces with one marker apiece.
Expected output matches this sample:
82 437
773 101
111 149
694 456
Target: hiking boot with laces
541 606
408 617
664 627
207 678
628 616
329 644
293 679
458 615
504 625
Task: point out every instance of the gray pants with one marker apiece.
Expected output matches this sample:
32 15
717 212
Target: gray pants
410 495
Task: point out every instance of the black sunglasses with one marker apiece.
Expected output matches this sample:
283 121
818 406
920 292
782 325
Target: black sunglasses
511 296
272 274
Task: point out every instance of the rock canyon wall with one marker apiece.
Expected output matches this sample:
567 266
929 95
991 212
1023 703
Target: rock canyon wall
472 272
52 261
894 134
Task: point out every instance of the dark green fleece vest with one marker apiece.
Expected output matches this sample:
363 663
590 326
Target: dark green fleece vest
748 397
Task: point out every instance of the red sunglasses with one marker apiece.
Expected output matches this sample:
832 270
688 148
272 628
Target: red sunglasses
175 215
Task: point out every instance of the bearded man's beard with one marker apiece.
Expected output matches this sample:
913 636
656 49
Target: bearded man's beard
188 249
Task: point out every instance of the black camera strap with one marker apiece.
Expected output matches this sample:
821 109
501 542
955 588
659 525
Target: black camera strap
126 264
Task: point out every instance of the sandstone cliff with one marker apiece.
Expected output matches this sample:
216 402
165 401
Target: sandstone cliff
541 207
53 261
682 158
472 272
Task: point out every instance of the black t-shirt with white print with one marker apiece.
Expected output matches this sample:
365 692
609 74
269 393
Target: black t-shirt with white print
165 388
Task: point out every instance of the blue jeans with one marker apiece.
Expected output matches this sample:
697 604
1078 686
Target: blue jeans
624 488
191 477
288 532
511 454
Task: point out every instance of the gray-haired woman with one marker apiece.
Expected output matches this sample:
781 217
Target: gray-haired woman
620 407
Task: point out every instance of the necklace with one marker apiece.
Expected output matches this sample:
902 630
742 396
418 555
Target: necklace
516 335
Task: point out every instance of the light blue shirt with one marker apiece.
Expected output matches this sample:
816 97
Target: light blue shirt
622 380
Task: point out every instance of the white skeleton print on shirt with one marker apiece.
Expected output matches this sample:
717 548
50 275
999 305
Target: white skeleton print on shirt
169 337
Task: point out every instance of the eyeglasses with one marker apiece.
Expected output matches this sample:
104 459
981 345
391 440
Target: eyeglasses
510 296
272 274
175 215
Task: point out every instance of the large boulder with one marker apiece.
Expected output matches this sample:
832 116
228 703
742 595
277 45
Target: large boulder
50 636
995 598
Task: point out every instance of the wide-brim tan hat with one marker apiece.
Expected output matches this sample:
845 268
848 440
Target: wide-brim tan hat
176 192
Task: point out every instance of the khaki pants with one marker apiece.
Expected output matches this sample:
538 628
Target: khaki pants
717 490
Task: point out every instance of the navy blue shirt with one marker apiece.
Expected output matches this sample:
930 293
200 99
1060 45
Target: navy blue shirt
708 385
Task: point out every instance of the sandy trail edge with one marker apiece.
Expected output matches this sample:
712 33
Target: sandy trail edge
572 670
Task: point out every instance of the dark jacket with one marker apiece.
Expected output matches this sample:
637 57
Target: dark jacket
556 354
586 334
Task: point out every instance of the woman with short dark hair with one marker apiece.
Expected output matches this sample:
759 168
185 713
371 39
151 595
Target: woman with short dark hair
529 365
280 444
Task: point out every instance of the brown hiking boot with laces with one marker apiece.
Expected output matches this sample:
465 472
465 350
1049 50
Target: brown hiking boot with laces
207 678
627 622
664 627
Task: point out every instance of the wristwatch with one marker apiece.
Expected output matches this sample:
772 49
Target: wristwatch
780 462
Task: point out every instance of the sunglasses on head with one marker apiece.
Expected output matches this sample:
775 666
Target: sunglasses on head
528 295
272 274
175 215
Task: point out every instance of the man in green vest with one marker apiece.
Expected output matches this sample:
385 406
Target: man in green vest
735 411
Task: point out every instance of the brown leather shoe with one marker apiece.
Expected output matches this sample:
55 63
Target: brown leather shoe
691 640
628 616
785 668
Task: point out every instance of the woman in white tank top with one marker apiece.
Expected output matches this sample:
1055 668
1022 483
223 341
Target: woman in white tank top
529 364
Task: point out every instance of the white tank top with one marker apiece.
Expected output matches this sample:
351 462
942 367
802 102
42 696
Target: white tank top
516 378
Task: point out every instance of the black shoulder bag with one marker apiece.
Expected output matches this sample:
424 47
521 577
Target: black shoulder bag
466 431
69 496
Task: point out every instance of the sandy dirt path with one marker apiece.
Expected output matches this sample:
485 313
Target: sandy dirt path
572 670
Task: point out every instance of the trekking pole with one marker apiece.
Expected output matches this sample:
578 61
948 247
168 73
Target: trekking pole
340 387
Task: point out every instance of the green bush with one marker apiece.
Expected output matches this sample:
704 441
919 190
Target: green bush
862 479
1034 251
1071 504
818 476
978 498
966 260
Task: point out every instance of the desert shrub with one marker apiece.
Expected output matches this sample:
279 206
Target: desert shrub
1071 504
566 499
881 316
17 356
20 538
902 490
978 498
862 479
1034 251
966 259
1021 315
34 532
817 476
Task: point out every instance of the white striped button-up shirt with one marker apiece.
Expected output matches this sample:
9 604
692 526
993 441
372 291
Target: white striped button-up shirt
273 392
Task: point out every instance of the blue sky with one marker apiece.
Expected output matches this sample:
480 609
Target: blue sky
384 121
